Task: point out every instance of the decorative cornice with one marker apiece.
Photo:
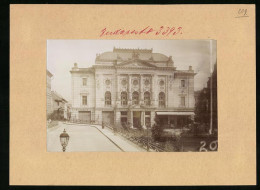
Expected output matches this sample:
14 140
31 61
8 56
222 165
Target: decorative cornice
133 68
128 50
171 109
121 60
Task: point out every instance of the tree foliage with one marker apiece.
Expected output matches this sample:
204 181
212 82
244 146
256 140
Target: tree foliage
206 105
156 129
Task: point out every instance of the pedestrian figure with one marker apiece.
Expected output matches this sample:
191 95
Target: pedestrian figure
103 125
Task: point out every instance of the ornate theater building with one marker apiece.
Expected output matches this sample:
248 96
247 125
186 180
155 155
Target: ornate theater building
131 86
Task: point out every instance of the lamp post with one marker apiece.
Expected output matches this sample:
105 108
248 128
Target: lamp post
64 139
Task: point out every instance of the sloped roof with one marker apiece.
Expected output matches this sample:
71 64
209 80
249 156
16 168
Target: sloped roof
127 54
138 61
49 73
57 97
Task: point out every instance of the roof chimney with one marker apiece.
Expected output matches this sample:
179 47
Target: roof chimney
75 65
190 68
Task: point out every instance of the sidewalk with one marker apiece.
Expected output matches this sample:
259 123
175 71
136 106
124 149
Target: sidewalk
123 143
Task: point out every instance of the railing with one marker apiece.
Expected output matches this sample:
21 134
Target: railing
139 136
82 121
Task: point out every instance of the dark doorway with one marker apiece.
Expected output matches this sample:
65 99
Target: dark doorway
136 119
85 116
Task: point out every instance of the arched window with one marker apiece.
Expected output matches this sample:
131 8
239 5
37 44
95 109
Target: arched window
161 99
108 98
147 98
123 98
135 98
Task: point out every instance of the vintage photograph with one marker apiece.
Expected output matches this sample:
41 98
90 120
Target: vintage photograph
131 96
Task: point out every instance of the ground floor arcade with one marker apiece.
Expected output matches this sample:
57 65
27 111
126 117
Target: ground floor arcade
135 118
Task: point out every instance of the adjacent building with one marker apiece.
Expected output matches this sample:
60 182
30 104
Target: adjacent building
132 86
48 92
59 105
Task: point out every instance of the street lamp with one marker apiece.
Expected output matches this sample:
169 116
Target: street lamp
64 139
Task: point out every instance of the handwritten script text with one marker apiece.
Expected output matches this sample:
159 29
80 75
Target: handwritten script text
164 31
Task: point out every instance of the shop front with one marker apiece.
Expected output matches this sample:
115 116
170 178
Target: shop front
176 120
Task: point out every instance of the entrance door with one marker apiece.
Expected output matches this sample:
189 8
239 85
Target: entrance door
108 117
137 119
85 116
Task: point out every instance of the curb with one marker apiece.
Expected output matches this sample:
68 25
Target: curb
53 128
108 138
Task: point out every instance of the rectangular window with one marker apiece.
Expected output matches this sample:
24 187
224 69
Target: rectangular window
84 81
147 113
124 113
182 83
84 100
182 101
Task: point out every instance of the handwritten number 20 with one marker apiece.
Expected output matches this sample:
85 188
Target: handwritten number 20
212 146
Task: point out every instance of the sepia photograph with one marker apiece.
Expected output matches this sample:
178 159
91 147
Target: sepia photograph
131 96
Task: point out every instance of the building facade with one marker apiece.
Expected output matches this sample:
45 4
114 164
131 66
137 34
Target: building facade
48 93
59 105
132 86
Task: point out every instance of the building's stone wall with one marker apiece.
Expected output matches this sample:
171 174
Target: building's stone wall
108 78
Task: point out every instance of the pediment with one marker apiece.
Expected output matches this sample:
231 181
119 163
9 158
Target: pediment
136 63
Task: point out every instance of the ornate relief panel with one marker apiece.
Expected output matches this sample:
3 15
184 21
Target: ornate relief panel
123 83
135 81
107 83
147 82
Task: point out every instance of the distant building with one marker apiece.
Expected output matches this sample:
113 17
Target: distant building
48 91
67 111
131 86
58 104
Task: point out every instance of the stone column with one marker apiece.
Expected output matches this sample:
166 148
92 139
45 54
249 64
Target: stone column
166 92
129 89
118 89
131 118
98 116
119 92
152 89
155 91
118 116
141 90
152 117
142 119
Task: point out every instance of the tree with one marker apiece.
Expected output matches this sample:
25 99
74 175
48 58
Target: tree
156 129
206 105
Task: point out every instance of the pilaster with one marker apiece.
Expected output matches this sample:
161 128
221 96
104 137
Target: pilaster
141 90
129 89
117 118
152 118
98 116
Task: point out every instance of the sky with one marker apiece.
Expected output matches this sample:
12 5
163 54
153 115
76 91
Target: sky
62 54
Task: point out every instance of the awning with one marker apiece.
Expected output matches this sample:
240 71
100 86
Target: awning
175 113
